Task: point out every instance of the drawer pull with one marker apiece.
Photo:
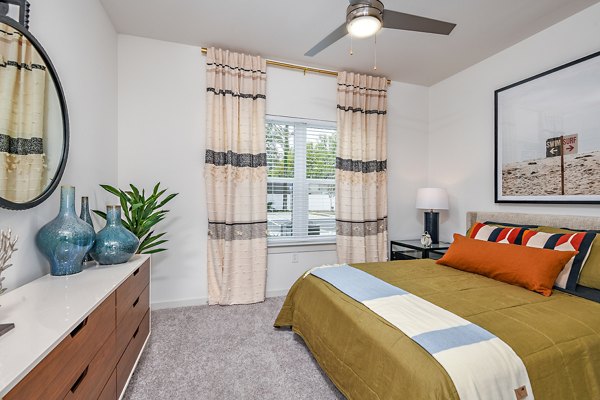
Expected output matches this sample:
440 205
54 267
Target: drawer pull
136 272
79 327
136 332
79 380
136 301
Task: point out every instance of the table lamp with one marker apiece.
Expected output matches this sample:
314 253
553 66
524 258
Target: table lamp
432 199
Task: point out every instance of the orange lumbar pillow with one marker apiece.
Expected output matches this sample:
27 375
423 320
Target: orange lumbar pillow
532 268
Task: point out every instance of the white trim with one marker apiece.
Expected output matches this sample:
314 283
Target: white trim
315 241
202 301
161 305
302 248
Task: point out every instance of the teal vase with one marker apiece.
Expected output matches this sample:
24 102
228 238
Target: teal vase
87 218
114 243
66 239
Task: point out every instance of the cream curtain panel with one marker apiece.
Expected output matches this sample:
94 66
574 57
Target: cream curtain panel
22 103
361 168
236 177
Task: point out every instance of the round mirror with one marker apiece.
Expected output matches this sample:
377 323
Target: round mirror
34 127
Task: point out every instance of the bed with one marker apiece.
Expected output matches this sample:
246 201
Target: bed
557 337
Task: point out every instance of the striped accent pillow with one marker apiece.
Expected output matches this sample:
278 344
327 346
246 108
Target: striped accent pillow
498 234
581 242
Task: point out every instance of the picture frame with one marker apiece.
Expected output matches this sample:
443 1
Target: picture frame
547 136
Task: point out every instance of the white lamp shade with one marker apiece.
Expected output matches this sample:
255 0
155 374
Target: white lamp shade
432 199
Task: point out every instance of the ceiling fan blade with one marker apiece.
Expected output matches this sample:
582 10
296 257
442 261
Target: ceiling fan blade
409 22
330 39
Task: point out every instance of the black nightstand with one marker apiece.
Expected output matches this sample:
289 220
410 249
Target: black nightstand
414 250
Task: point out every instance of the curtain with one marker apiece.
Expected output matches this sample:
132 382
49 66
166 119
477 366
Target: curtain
361 169
236 177
22 102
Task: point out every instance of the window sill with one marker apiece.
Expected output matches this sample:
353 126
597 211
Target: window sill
292 243
301 246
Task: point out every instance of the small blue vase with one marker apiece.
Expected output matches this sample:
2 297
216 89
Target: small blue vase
114 244
66 239
86 217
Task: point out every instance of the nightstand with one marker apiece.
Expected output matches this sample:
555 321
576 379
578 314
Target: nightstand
414 250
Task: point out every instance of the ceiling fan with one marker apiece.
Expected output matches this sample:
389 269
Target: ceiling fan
364 18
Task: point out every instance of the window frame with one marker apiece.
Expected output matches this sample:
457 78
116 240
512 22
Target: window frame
300 197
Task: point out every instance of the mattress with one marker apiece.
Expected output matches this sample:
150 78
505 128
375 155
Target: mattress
557 337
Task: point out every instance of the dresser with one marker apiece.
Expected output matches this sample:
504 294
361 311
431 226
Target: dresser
77 336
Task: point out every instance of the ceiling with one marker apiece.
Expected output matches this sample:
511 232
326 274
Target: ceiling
284 30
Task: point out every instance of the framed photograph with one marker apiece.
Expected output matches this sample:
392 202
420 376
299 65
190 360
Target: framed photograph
547 130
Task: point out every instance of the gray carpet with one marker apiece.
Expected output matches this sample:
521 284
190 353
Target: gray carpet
226 353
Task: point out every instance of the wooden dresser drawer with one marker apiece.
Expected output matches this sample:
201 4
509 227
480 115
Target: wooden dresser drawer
131 320
93 377
132 288
110 389
125 364
53 377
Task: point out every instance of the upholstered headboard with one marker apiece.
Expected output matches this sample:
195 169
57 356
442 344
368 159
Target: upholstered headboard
558 221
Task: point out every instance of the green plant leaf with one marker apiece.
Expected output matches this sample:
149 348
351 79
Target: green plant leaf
147 246
153 251
99 213
150 238
125 209
155 190
135 190
110 189
167 199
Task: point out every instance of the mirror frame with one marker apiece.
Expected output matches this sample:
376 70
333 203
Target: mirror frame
65 119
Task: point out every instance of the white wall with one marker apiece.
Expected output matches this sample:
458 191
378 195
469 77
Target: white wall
82 44
461 117
162 116
161 138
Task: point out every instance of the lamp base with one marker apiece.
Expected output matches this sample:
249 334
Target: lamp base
432 225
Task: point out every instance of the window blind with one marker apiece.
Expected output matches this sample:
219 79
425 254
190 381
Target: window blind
301 180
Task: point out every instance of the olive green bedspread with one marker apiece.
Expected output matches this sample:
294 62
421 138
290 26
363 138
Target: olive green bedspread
557 337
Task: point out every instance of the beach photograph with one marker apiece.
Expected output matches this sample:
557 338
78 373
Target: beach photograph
548 137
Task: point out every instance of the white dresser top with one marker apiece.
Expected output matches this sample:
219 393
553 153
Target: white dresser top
46 310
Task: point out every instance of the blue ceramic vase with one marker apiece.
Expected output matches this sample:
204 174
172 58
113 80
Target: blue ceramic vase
86 217
66 239
114 243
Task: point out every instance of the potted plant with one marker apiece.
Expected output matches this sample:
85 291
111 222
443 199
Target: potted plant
141 214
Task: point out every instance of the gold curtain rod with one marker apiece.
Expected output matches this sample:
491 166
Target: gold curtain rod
298 67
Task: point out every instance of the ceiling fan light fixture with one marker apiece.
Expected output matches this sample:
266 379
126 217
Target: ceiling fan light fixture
364 18
364 26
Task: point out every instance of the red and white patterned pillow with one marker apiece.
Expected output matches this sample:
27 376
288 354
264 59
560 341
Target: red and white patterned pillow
581 242
493 233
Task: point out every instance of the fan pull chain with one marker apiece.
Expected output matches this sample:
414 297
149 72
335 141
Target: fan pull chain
375 63
351 50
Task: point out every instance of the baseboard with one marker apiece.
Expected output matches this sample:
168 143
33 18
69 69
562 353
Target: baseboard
160 305
202 301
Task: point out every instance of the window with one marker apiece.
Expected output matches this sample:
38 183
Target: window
301 180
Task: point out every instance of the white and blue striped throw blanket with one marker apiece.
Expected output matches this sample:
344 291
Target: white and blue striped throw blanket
480 365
